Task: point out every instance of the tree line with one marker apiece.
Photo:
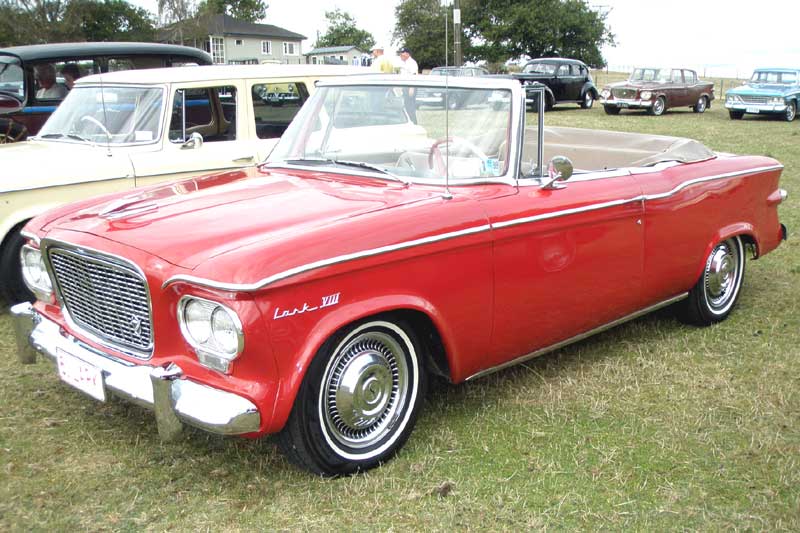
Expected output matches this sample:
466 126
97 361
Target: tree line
491 30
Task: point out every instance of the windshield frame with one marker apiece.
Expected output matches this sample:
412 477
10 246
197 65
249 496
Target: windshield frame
515 126
157 139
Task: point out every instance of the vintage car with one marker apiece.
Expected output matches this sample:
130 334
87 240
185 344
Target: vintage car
774 91
435 97
312 296
658 89
30 99
567 81
123 130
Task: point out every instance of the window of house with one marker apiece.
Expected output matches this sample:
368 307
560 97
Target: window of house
266 47
209 111
314 60
290 49
275 105
217 45
239 42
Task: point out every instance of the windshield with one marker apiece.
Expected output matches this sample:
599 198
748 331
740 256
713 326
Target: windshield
539 68
764 76
381 128
650 74
11 77
116 115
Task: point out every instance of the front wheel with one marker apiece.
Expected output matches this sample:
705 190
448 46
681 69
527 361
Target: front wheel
588 100
12 287
715 293
735 115
611 110
791 112
359 400
659 106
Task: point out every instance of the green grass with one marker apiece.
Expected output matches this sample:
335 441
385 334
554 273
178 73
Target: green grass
650 426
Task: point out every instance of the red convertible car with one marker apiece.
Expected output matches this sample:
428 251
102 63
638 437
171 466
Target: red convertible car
313 296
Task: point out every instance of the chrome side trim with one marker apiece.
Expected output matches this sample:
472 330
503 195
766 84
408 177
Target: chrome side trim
251 287
566 212
579 337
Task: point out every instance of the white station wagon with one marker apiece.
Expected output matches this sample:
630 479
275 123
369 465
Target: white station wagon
129 129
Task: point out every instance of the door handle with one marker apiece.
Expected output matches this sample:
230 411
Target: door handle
244 159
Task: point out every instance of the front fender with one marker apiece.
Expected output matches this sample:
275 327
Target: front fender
327 326
13 219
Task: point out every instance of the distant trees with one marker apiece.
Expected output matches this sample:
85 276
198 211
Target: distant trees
44 21
343 31
498 30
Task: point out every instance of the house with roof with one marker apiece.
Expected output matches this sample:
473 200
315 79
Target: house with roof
232 41
335 55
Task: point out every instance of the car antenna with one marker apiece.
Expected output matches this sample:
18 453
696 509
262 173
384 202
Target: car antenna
447 194
105 116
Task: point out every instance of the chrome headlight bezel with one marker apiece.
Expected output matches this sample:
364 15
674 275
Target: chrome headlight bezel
211 351
776 100
646 95
35 273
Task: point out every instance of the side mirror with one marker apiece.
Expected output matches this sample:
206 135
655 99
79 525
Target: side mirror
559 169
9 104
194 142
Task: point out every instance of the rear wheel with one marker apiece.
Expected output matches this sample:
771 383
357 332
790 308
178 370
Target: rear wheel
659 106
701 105
716 292
12 288
735 115
588 100
791 111
611 110
359 400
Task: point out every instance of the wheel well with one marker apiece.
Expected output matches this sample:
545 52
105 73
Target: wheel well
751 243
426 331
14 229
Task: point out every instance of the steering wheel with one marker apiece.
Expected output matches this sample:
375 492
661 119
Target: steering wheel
436 161
89 118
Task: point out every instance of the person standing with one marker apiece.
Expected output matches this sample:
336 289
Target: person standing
381 63
409 67
407 64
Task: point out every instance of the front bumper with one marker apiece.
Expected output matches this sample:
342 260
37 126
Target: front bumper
756 108
626 103
175 399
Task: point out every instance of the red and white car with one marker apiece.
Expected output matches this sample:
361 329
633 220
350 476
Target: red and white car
380 244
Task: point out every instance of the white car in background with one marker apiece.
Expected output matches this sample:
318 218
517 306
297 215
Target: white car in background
129 129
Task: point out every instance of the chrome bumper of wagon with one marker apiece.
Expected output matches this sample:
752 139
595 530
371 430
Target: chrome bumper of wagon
756 108
174 398
626 103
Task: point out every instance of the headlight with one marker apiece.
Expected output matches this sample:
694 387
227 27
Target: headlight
606 93
213 330
776 100
645 95
731 98
34 273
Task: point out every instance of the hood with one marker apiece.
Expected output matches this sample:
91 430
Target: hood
637 84
36 164
190 221
764 89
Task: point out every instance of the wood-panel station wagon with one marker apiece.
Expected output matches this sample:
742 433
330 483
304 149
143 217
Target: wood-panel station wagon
313 295
129 129
658 89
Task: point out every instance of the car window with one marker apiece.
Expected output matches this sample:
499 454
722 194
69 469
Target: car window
46 85
563 70
539 68
275 105
209 111
676 76
789 77
12 78
689 76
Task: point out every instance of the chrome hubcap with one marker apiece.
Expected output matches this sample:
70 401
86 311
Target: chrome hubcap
366 388
721 276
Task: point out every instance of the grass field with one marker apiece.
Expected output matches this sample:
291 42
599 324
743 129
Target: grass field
651 426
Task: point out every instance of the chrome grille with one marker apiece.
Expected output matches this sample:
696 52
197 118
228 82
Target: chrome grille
754 99
107 299
624 93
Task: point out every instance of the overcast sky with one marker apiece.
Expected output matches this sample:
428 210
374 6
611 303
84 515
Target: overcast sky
722 37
